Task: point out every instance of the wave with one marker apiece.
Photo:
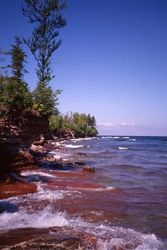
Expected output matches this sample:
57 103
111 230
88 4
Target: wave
60 155
122 148
73 146
83 139
121 238
132 139
47 216
102 189
39 173
39 219
107 237
106 137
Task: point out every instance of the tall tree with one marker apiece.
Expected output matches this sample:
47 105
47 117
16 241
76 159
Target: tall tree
46 15
18 59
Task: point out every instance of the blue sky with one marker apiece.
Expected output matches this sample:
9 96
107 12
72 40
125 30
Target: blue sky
112 62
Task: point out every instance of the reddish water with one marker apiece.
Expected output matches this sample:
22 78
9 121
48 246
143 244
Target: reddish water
90 210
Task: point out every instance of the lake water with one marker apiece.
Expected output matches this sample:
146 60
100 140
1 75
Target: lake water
123 204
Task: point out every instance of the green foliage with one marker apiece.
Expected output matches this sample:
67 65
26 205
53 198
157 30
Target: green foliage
81 125
57 124
47 19
45 100
18 59
14 97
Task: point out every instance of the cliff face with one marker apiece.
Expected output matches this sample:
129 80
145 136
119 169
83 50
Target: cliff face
16 138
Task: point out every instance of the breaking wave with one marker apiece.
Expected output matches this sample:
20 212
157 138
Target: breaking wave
122 148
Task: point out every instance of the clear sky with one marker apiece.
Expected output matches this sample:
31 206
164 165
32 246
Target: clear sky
112 62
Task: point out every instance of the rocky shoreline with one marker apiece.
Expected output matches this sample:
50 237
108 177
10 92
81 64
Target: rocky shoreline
37 154
61 203
71 173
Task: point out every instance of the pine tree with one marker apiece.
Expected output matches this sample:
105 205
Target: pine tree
14 93
18 59
46 15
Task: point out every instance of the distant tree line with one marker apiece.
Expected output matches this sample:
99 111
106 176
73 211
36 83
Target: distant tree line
79 125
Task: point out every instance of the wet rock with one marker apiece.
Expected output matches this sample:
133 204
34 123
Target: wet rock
14 189
54 238
18 137
17 177
23 158
80 163
39 143
37 149
88 169
70 243
6 206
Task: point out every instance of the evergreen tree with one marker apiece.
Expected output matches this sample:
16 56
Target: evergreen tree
46 15
14 97
14 93
45 100
18 59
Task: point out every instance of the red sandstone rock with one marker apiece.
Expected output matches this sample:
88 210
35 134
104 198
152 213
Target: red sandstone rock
88 169
9 190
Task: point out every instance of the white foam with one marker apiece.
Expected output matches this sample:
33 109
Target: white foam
103 189
118 237
106 137
46 194
132 139
40 173
39 219
58 154
107 237
57 157
76 139
73 146
83 139
126 137
122 148
88 138
116 137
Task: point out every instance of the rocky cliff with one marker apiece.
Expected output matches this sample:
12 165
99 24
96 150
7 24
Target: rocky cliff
16 138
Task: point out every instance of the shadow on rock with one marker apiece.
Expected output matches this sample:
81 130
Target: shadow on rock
57 166
8 207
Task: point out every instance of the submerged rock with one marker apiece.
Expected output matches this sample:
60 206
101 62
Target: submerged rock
88 169
80 163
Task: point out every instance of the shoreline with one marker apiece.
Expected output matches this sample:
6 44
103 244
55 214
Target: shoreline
52 155
73 204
